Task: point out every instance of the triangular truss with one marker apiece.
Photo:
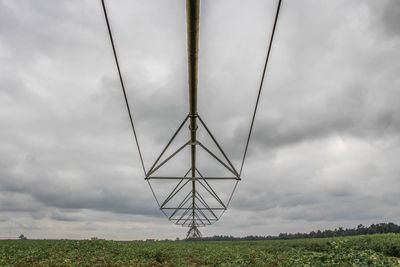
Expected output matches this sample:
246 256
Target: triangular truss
193 202
193 233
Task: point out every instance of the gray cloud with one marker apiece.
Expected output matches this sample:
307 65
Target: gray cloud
390 18
325 144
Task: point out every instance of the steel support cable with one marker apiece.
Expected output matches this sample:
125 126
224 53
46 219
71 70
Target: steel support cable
123 86
154 195
261 85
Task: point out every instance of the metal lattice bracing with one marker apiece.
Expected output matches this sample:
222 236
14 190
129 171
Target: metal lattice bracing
193 232
193 202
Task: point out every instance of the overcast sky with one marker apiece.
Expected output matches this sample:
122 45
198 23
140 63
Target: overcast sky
325 150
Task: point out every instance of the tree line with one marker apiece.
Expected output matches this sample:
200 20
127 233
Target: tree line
380 228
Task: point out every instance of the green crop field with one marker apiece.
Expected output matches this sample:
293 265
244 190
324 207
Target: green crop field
370 250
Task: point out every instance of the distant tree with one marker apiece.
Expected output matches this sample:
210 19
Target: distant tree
22 237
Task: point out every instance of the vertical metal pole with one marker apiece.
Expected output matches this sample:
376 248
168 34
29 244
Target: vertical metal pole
192 21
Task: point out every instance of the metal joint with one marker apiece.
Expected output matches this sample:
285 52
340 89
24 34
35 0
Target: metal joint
193 130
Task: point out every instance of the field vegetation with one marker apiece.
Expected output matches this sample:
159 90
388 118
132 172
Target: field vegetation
367 250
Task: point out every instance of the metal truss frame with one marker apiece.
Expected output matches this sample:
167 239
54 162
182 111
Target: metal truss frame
193 210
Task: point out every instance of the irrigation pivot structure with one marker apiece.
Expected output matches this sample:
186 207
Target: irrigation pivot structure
193 209
193 202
